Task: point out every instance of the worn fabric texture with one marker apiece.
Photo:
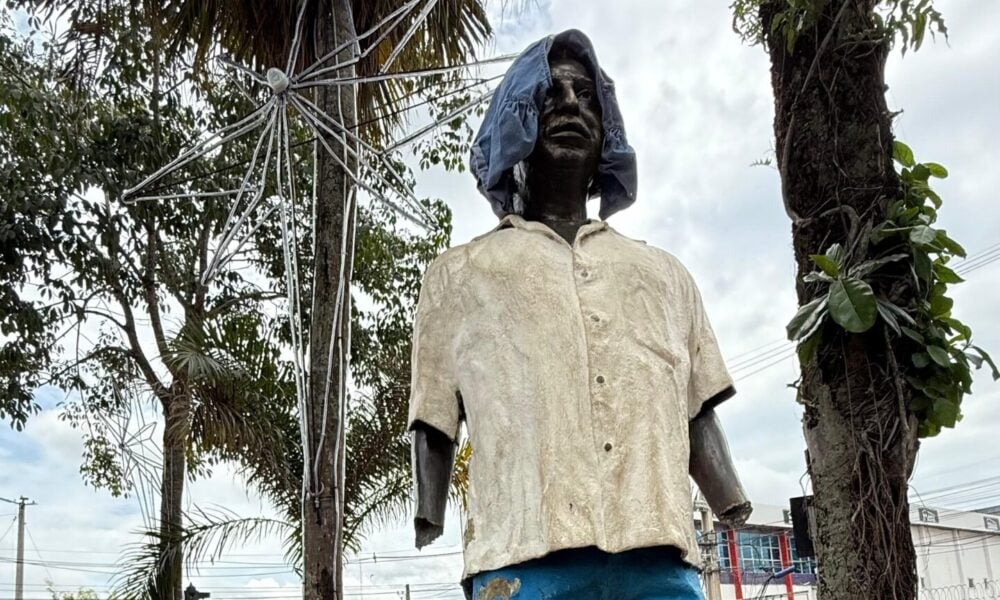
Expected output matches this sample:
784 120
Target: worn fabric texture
577 369
510 128
590 574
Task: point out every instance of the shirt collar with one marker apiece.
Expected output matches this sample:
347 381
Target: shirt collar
519 222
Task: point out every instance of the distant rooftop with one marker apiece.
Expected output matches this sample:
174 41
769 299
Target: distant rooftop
985 520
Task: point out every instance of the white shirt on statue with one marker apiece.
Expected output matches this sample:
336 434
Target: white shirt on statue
579 368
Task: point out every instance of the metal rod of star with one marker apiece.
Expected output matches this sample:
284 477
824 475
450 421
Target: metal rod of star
440 121
319 129
303 104
307 83
233 223
294 51
409 34
294 240
227 62
186 195
237 129
399 14
294 316
244 239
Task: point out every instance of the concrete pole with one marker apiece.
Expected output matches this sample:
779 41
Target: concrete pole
19 577
407 591
710 555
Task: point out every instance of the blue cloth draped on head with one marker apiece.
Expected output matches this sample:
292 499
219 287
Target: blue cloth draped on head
510 128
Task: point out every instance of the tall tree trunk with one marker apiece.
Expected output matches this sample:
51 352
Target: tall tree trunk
834 149
322 516
175 432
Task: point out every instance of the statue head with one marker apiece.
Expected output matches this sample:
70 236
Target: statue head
555 109
570 129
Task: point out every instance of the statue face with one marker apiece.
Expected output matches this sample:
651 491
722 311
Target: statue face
569 127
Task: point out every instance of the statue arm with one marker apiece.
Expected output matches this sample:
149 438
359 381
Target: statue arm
712 468
433 459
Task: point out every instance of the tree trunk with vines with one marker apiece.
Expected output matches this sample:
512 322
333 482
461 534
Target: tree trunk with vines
834 147
323 508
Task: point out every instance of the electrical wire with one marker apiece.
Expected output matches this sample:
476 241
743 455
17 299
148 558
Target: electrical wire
9 527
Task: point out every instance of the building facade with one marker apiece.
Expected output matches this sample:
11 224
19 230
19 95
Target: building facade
958 556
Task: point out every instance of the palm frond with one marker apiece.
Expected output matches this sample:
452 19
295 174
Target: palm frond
208 535
261 34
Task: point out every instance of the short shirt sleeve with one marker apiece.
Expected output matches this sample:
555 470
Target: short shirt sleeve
710 382
434 397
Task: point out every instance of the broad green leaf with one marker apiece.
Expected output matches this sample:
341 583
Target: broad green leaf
939 355
836 253
817 276
934 198
824 262
807 348
941 305
963 330
922 235
902 153
945 274
807 319
870 266
927 429
949 244
897 311
888 317
936 170
920 360
989 361
946 412
922 268
920 402
921 173
912 334
852 304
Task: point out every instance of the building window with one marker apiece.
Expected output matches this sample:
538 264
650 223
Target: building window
760 553
927 515
805 566
991 523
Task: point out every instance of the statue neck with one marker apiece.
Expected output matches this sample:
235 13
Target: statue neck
557 197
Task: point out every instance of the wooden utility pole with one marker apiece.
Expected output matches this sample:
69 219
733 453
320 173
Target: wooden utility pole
19 562
407 591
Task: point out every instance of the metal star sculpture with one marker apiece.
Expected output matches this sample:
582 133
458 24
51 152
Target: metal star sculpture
270 122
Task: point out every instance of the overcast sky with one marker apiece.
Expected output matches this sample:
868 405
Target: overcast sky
697 107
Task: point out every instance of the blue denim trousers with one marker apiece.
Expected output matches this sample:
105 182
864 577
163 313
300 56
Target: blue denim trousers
591 574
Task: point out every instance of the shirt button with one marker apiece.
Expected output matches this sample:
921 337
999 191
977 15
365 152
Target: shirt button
584 274
607 447
595 318
600 379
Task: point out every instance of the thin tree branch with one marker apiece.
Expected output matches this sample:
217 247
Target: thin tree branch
215 311
149 289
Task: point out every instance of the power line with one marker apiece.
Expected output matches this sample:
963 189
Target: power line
9 527
766 352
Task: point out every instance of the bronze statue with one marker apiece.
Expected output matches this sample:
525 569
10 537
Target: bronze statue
580 360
